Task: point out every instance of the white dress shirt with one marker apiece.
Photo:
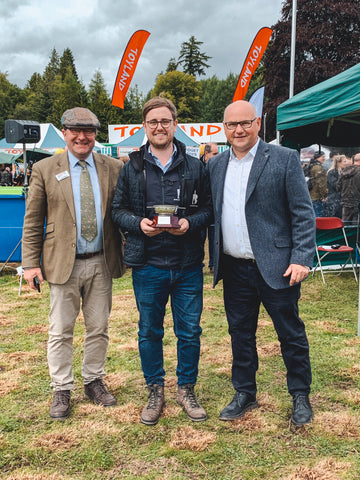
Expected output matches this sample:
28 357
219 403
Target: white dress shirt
235 233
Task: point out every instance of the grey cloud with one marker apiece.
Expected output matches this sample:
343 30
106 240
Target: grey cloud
97 32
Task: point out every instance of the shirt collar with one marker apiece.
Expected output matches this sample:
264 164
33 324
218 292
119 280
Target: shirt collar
73 160
154 158
250 154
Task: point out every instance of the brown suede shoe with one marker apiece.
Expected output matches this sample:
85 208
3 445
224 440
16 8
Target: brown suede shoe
98 393
151 413
187 399
60 407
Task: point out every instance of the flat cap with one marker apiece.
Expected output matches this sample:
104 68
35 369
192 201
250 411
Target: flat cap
79 117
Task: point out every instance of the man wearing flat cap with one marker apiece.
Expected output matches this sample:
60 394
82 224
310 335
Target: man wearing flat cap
79 253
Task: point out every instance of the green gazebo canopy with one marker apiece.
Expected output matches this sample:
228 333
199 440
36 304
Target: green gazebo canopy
326 114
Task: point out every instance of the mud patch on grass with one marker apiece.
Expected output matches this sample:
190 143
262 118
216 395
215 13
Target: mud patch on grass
188 438
339 424
327 469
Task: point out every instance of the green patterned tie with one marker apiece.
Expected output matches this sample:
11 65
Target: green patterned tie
88 212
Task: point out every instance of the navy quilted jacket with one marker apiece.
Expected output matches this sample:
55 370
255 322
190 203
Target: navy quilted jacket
129 206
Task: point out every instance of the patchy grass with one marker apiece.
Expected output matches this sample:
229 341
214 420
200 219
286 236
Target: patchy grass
110 443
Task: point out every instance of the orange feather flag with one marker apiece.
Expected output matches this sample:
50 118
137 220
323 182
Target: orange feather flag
127 66
252 61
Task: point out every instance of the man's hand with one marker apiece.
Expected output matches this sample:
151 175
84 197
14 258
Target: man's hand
184 227
297 273
30 274
147 226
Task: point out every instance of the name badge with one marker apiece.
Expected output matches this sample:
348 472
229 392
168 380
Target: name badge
62 175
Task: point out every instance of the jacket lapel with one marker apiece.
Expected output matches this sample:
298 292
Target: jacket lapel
260 160
220 179
62 165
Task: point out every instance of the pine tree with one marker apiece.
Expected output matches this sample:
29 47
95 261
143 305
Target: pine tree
67 62
68 93
99 103
327 43
191 59
172 65
46 95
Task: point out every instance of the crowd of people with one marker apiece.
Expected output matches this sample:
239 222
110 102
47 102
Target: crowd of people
10 176
334 192
101 215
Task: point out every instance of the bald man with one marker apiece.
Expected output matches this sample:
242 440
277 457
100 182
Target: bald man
264 248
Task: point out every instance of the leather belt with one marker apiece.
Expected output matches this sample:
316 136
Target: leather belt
85 256
240 260
245 260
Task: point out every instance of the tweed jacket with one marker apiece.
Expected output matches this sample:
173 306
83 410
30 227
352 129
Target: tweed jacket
279 213
50 203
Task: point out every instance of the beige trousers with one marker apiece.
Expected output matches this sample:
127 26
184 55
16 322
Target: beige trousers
90 286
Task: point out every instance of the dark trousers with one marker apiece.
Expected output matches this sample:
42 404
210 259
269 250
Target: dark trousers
244 290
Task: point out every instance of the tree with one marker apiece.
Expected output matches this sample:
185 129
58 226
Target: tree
52 68
216 95
68 93
100 104
46 96
30 109
172 65
191 59
183 90
10 95
132 112
67 62
327 43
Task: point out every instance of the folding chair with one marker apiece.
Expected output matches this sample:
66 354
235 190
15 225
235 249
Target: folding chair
323 251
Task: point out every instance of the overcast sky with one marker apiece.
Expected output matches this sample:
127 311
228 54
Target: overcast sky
97 32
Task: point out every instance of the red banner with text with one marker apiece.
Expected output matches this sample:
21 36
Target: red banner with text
127 66
252 61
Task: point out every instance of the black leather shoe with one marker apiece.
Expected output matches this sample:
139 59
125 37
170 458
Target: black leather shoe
241 403
302 412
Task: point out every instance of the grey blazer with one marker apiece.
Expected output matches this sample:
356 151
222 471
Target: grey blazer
279 213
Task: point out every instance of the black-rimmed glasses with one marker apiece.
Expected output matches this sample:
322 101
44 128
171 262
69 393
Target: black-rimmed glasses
88 131
165 123
244 124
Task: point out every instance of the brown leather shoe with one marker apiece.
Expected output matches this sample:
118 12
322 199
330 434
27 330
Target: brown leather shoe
60 407
151 413
98 393
187 399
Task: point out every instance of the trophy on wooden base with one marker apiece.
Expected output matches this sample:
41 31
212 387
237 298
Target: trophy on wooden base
165 216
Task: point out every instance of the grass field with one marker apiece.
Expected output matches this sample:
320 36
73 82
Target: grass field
98 443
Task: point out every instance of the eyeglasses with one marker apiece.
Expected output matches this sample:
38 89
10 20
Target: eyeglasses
89 132
165 123
245 124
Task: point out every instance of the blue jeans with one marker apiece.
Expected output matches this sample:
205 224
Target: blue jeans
318 206
152 287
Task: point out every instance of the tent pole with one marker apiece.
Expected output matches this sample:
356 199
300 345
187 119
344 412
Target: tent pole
358 327
292 51
26 186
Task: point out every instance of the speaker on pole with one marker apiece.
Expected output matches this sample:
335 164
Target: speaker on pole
22 131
